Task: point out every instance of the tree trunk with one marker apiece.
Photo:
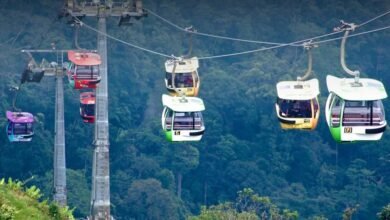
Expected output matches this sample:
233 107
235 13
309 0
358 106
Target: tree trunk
179 180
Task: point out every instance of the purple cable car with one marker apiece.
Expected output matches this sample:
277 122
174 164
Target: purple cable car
20 126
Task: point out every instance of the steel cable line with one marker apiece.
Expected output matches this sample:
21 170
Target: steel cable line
211 35
279 46
373 19
122 41
230 54
254 41
353 35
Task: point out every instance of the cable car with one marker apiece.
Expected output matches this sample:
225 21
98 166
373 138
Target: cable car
182 118
19 126
354 112
354 109
182 76
83 71
297 104
87 107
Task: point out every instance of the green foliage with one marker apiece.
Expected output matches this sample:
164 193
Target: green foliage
33 192
19 202
221 212
248 205
150 201
7 212
349 211
385 213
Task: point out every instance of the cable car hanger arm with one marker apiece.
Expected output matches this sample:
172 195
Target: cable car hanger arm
308 46
347 27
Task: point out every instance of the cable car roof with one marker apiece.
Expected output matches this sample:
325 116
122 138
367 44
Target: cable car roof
20 117
182 66
190 104
369 89
87 98
84 58
298 90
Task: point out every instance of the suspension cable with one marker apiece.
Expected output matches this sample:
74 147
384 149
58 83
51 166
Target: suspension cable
354 35
373 19
122 41
279 46
237 53
253 41
210 35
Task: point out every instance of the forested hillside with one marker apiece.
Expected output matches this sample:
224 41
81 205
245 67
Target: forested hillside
243 147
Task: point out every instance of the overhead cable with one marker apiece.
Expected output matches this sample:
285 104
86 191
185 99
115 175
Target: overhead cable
211 35
231 54
279 46
354 35
122 41
373 19
254 41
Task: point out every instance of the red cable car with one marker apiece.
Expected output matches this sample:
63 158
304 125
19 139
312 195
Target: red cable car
87 107
83 71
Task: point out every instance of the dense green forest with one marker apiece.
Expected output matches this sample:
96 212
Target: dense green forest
243 147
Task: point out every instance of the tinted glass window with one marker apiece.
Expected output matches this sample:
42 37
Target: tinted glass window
295 108
188 121
335 111
22 128
363 113
183 80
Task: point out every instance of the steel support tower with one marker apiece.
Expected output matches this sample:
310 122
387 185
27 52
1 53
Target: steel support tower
59 140
55 69
102 9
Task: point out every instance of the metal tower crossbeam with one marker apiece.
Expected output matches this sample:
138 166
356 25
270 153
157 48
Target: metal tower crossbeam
100 198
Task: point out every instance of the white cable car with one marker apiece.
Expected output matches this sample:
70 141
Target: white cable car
297 104
355 112
354 109
182 76
182 118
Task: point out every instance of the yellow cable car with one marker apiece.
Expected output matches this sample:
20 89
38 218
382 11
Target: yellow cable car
297 104
182 76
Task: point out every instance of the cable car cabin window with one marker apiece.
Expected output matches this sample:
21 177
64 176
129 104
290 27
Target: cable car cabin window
378 112
196 77
87 72
22 128
183 80
72 70
187 121
168 119
168 76
198 120
335 111
363 113
295 108
88 109
316 106
9 127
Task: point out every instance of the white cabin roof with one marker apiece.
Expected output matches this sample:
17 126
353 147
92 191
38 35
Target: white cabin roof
298 90
369 89
182 66
191 104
